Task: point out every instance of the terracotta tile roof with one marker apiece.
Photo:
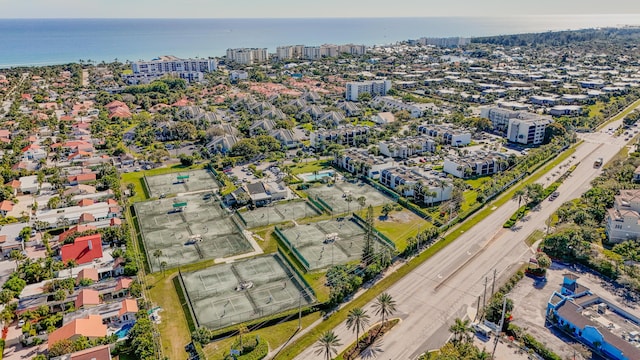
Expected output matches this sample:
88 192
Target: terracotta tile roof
85 202
84 249
88 273
14 184
123 283
115 222
3 239
86 218
91 327
128 306
112 202
101 352
6 205
75 229
87 297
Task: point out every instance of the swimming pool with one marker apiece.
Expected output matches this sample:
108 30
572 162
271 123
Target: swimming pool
123 331
307 177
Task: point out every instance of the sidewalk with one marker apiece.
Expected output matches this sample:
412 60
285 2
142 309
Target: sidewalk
390 270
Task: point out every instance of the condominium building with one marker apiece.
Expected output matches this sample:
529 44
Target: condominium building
191 70
623 220
479 163
374 87
348 136
518 126
415 110
361 163
311 53
316 52
247 56
407 147
445 42
289 52
423 188
449 134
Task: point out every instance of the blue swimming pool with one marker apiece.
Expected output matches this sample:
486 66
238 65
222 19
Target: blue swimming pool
315 177
123 331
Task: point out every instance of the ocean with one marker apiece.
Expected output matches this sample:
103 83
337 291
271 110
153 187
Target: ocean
32 42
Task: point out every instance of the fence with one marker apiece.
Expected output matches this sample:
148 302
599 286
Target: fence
290 269
362 223
324 204
291 248
316 204
390 193
241 218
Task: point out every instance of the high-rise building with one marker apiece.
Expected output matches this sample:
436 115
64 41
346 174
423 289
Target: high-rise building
374 87
247 56
188 69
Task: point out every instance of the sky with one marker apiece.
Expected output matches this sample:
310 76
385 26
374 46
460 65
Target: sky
305 8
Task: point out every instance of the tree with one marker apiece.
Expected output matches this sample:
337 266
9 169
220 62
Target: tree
543 260
327 344
369 238
357 319
348 199
163 266
384 306
242 329
156 254
61 347
519 196
54 202
461 330
6 295
17 256
362 201
386 209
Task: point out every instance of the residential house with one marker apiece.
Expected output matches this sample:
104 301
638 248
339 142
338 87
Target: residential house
287 138
101 352
222 144
383 118
623 220
90 327
83 250
347 135
81 179
87 298
71 215
5 207
33 152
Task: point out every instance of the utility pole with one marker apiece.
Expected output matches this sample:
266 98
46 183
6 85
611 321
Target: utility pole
300 311
493 286
477 309
484 295
495 342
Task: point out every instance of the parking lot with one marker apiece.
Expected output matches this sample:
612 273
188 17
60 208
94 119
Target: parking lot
530 300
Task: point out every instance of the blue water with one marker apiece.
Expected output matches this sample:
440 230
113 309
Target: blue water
56 41
316 177
123 331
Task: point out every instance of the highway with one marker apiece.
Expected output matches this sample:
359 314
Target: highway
448 285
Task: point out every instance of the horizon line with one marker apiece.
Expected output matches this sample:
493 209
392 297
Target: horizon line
320 17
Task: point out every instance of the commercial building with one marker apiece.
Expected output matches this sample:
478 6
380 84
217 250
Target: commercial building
518 126
594 321
407 147
247 56
374 87
361 163
191 70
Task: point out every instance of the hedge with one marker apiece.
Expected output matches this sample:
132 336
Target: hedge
259 352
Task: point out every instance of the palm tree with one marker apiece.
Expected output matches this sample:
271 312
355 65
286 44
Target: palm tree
385 306
461 329
519 196
17 256
357 320
327 344
157 254
242 329
362 201
163 266
349 199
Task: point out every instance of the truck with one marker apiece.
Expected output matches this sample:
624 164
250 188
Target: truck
597 163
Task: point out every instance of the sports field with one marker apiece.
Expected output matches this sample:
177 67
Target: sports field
278 213
327 243
199 230
180 182
228 294
336 195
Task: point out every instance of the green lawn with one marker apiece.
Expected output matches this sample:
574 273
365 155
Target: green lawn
621 114
399 226
274 335
476 183
309 167
135 178
533 237
595 109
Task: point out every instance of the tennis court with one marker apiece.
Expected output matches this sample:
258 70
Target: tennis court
188 229
336 196
180 182
321 249
228 294
278 213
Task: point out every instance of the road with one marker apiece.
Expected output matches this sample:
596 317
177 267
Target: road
449 284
